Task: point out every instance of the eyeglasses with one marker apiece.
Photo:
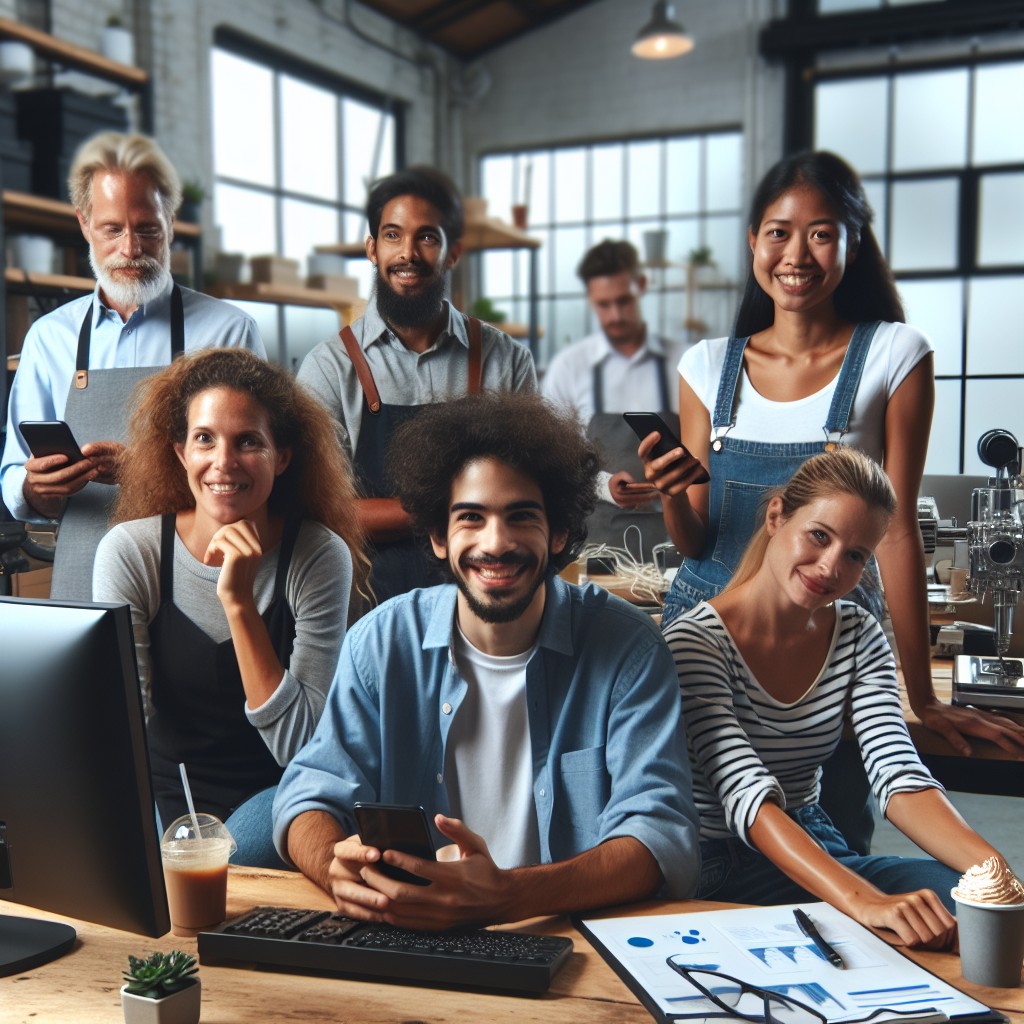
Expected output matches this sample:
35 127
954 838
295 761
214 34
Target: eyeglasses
145 233
761 1005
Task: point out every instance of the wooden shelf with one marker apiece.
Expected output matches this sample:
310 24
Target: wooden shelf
44 214
288 295
71 55
479 235
21 279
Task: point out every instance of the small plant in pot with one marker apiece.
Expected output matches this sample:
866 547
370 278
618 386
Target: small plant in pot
192 196
162 989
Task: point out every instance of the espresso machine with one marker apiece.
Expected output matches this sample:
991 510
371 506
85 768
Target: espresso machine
995 573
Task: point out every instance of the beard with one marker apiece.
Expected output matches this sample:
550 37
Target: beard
130 293
420 309
497 611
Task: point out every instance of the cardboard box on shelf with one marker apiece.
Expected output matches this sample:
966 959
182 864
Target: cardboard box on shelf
274 269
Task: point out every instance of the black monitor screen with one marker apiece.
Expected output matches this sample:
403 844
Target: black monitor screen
78 834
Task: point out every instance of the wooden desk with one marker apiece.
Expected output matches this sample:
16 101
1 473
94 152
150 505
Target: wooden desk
989 769
84 985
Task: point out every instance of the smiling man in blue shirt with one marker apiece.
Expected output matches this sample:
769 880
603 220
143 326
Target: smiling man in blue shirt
537 722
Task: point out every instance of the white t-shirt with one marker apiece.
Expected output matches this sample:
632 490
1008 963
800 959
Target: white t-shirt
895 350
488 757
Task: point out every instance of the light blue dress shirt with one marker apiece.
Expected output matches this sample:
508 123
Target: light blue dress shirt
609 749
47 365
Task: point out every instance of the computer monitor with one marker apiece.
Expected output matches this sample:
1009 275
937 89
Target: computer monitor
78 834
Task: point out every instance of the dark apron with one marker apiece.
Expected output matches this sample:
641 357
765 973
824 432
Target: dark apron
617 444
199 701
97 410
402 565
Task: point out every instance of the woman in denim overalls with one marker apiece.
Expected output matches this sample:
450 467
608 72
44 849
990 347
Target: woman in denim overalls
818 292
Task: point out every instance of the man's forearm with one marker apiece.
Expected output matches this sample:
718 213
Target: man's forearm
621 870
310 841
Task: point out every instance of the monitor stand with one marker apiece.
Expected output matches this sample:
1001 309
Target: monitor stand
26 942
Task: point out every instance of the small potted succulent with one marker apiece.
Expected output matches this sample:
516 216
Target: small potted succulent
192 196
117 42
162 989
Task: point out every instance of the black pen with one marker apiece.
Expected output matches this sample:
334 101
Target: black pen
807 927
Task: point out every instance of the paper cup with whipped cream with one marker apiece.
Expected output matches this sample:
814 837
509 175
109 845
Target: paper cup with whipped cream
990 919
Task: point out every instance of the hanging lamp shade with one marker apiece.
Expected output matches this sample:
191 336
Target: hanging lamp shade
662 37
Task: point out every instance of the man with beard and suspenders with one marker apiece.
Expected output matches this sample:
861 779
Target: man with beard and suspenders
409 349
81 361
620 368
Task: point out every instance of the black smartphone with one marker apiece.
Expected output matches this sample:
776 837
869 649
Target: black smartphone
396 827
644 423
50 437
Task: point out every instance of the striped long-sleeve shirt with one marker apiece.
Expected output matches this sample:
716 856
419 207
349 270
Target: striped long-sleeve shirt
747 747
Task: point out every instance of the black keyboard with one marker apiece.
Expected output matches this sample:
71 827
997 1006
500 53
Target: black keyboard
317 940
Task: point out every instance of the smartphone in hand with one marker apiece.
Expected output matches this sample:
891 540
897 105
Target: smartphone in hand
396 827
644 423
50 437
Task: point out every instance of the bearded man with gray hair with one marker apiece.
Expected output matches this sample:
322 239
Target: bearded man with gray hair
80 362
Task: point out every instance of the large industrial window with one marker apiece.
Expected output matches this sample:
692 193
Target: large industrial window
293 151
688 188
942 157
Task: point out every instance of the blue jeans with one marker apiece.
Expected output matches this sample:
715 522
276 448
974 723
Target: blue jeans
252 826
733 872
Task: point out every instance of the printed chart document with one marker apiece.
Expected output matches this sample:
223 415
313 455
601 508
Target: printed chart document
764 946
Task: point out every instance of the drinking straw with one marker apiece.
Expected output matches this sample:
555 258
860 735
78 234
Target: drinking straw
188 799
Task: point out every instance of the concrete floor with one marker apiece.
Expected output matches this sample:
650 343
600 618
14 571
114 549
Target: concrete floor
1000 819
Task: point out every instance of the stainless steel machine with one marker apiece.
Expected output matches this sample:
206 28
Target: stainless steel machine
995 572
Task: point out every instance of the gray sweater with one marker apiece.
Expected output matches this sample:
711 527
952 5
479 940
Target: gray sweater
127 571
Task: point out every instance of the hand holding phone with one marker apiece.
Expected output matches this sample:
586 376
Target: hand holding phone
50 437
396 827
645 423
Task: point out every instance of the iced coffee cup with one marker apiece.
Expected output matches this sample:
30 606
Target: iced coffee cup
990 920
196 872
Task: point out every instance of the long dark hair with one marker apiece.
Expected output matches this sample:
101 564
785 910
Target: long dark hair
867 291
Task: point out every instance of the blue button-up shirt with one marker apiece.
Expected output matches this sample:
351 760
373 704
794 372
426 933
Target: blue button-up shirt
47 365
609 751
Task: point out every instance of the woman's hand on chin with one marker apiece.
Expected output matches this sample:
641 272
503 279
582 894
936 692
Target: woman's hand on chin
237 549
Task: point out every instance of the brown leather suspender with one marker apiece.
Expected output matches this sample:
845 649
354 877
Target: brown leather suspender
369 386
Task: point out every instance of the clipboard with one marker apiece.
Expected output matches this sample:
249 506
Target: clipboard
764 947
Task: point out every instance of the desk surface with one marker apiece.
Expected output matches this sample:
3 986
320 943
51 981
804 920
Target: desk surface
84 985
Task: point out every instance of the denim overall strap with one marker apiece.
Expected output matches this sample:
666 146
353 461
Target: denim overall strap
723 419
838 421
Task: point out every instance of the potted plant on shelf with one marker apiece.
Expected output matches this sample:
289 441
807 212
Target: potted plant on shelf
192 196
484 309
116 41
164 988
704 267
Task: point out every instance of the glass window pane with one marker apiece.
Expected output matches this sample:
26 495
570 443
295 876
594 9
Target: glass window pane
570 172
246 220
726 239
365 136
606 170
1001 219
544 283
243 144
537 186
358 267
990 403
850 119
496 268
304 328
306 225
924 224
724 172
682 184
835 6
265 315
570 321
993 313
644 163
309 139
944 443
568 246
997 92
496 184
875 191
936 307
925 101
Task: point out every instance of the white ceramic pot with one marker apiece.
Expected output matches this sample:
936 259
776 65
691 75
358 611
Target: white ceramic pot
117 43
16 61
181 1007
33 253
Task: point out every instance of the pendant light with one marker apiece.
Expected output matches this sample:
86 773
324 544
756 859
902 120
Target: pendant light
662 37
